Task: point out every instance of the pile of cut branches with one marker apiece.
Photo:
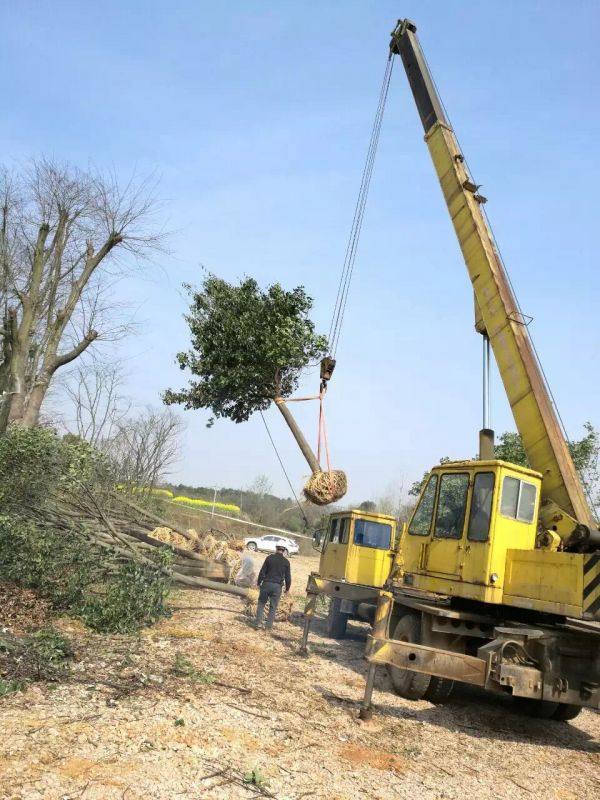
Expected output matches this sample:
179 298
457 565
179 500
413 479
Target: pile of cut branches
40 656
114 522
67 532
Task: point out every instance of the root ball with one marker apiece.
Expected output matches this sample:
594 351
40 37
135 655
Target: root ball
323 488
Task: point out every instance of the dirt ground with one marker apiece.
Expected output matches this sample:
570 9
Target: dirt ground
203 705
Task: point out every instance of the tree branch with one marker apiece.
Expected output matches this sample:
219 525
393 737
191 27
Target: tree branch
66 358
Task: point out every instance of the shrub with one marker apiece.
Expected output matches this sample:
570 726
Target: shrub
40 549
43 655
135 596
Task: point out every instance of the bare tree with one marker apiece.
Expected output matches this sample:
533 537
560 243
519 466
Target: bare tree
391 501
261 485
61 233
143 448
99 408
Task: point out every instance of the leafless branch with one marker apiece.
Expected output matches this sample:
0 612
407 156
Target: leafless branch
65 235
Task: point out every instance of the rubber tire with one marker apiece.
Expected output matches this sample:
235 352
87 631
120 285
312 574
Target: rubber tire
566 711
286 552
538 709
252 546
439 690
337 622
408 684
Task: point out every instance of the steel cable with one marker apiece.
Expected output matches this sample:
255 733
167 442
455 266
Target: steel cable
359 211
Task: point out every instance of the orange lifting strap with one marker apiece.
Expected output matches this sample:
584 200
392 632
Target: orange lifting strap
327 367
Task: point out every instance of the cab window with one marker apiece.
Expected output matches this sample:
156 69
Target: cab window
518 499
420 523
334 530
452 504
343 532
372 534
481 507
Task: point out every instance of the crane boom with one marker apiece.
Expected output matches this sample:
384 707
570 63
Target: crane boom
564 507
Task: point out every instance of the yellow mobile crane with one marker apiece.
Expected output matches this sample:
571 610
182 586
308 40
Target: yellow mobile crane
496 581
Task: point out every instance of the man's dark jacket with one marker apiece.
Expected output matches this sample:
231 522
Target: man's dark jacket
276 569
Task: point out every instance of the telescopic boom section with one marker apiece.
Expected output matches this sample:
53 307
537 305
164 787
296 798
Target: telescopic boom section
564 507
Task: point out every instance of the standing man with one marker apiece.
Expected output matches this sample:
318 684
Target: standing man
273 575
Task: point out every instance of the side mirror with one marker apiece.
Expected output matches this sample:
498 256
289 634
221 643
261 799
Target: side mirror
317 539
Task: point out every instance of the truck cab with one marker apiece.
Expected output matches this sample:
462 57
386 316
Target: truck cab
358 547
470 516
357 554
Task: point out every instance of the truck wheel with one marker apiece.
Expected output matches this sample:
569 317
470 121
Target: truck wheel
566 711
336 620
540 709
439 690
252 546
406 683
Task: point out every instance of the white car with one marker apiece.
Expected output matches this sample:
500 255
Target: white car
267 544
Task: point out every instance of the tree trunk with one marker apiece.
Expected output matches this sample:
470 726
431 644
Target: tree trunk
32 407
16 388
298 436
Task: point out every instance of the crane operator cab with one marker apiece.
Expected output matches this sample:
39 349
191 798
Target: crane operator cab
475 534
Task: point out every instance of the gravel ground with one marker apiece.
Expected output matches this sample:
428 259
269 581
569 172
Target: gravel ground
202 705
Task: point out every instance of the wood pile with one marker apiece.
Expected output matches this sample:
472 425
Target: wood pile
113 520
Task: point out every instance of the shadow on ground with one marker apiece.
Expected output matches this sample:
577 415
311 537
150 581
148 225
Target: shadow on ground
470 710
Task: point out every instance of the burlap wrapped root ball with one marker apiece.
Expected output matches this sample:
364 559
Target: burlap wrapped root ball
168 536
284 609
323 488
218 550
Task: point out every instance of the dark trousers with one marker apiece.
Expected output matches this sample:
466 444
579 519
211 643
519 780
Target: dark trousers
272 592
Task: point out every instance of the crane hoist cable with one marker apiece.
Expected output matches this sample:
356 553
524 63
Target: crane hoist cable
341 300
337 319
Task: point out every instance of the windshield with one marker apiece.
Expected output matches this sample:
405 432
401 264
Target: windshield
372 534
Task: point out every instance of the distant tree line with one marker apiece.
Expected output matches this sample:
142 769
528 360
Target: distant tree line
259 504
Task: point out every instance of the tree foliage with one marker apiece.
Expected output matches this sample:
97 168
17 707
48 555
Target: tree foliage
368 506
248 346
41 551
585 453
509 447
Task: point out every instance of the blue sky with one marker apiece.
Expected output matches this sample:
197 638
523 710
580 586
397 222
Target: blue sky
255 117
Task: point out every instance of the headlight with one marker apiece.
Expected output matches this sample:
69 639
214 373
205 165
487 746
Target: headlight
493 577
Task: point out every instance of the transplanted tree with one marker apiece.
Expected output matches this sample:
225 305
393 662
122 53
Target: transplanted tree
249 348
61 231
